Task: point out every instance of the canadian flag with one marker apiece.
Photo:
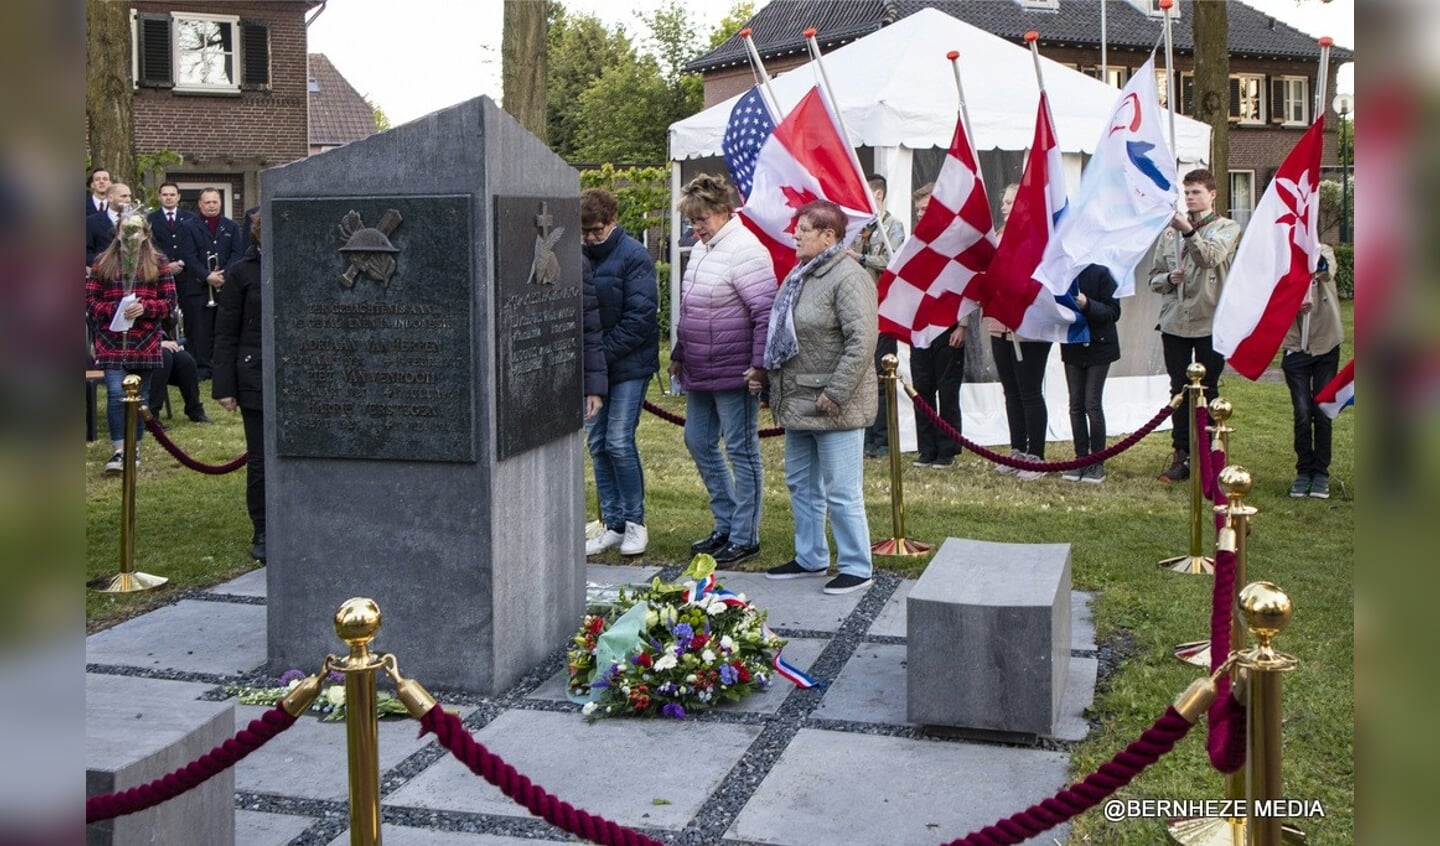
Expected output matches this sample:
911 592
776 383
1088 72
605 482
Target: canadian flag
804 159
1272 268
921 291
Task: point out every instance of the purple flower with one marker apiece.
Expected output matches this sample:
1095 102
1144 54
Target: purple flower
728 674
336 677
673 709
683 632
291 675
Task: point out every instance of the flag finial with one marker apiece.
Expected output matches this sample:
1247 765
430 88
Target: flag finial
1326 41
745 33
810 33
1167 5
953 55
1031 37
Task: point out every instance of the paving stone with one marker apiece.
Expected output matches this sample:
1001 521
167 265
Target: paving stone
250 584
309 759
870 687
821 790
615 768
794 603
256 828
890 622
1082 621
1071 723
191 636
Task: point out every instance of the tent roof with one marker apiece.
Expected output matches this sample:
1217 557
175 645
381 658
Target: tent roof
895 88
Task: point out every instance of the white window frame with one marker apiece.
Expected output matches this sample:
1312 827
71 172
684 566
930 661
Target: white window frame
1261 95
177 20
1152 8
1237 214
1114 75
221 185
1052 5
1301 97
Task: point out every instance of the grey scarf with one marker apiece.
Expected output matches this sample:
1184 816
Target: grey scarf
780 343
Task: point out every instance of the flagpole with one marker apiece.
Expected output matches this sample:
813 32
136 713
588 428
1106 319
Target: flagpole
1321 83
1104 64
854 160
1165 7
773 103
1031 38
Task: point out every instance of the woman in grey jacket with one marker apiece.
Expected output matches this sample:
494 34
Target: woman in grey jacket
725 301
823 390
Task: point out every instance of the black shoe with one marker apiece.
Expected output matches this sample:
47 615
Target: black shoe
1179 469
877 450
846 583
792 570
943 461
733 553
712 544
199 418
257 548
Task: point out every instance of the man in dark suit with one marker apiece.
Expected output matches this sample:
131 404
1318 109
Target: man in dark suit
169 227
100 227
95 197
208 250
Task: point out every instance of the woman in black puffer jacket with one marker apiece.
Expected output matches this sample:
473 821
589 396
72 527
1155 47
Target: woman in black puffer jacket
237 378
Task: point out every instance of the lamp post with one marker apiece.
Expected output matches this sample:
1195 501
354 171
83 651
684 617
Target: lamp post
1344 104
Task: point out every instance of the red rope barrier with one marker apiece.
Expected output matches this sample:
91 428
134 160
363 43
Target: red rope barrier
193 774
679 419
1114 774
154 427
1226 718
1051 466
491 767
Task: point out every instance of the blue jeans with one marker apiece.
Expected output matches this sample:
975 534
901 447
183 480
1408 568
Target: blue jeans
824 471
735 486
115 403
610 434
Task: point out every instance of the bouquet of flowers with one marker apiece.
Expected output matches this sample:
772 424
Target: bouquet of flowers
671 649
330 703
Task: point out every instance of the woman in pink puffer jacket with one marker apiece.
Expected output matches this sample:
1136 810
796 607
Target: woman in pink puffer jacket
725 300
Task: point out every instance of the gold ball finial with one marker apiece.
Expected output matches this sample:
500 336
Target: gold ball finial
1235 481
1221 409
1266 608
357 620
131 385
1195 372
889 362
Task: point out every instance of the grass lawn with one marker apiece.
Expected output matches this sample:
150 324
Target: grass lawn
193 529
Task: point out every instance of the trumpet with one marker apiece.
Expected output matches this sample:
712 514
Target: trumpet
213 262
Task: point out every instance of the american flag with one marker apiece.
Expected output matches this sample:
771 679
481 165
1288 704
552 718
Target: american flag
750 124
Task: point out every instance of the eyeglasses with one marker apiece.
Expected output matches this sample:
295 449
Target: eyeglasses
593 230
807 229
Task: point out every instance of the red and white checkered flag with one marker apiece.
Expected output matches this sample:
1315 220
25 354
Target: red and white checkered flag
922 289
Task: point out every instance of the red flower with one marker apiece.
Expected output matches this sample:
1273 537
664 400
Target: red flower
741 672
596 625
699 641
645 659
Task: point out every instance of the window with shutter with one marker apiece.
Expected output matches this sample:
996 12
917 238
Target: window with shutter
1277 97
255 50
1247 98
152 51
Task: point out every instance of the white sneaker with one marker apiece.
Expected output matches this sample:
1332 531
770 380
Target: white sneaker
1006 470
116 464
607 540
636 538
1030 475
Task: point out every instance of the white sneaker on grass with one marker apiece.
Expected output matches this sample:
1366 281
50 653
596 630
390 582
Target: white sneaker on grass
606 540
635 539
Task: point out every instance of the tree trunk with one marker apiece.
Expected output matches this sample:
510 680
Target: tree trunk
1212 91
109 89
522 56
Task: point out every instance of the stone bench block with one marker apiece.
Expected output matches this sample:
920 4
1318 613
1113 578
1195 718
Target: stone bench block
988 637
137 730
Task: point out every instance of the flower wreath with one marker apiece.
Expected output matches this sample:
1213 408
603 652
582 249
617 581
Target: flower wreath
671 649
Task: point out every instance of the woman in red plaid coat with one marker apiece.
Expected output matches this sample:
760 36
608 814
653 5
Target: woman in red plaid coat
127 294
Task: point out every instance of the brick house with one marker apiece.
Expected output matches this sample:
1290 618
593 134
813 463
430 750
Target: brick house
224 85
1272 66
338 114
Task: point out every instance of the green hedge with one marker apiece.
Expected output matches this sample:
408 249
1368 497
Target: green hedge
1345 271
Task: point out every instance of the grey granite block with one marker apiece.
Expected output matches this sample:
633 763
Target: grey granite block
192 636
137 730
862 790
988 637
423 440
617 768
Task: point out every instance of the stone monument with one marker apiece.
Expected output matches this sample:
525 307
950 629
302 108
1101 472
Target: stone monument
423 397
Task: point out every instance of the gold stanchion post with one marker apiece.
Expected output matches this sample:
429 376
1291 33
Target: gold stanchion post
128 580
1197 652
897 544
1195 562
356 623
1267 611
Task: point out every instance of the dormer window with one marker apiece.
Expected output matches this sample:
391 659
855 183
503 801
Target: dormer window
1152 8
1047 5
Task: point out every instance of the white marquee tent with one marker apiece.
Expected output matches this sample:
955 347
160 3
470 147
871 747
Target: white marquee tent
895 90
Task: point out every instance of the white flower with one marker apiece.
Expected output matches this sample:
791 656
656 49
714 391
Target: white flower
292 684
589 708
716 608
652 619
665 662
708 657
691 678
335 695
727 642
